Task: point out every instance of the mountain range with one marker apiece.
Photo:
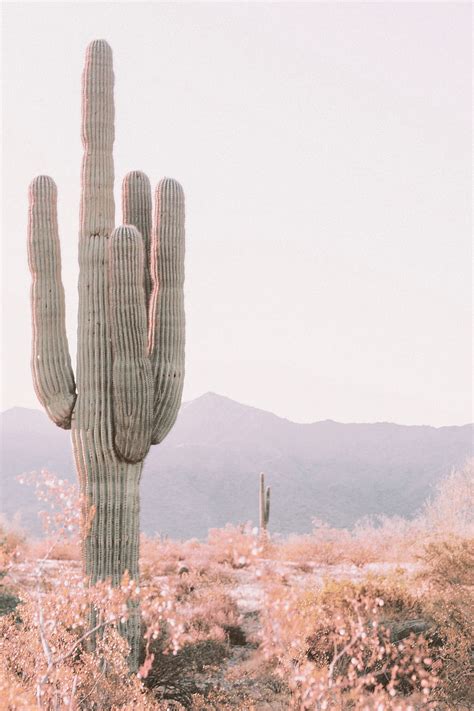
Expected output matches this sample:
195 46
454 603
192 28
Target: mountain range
206 473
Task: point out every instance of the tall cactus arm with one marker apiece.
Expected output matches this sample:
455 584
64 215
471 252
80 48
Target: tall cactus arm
132 387
50 363
97 198
166 311
137 210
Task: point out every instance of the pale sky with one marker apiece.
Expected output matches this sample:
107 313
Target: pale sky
325 154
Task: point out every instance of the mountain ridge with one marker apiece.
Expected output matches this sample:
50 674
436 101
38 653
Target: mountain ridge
210 394
205 473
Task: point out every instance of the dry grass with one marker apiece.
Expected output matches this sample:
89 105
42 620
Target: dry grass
51 549
12 541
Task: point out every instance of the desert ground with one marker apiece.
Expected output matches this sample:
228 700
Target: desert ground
378 617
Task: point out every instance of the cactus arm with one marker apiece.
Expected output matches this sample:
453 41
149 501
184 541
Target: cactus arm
97 212
166 320
132 388
137 210
267 505
53 378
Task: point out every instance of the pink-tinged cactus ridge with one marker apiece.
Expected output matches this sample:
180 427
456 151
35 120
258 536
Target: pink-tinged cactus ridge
130 352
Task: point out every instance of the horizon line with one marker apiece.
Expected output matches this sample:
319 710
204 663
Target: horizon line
269 412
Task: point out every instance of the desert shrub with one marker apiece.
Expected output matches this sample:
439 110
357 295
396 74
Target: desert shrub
385 539
164 558
376 539
449 564
12 546
46 649
447 576
13 693
12 540
338 651
451 511
211 615
448 595
173 677
51 549
202 616
325 546
237 546
391 640
219 701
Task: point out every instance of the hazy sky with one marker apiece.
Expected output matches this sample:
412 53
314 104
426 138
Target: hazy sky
324 149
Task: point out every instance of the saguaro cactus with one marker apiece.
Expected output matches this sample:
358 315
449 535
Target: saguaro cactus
264 504
130 359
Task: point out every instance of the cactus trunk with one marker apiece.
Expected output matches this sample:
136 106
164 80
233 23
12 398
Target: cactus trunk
111 518
130 356
109 485
264 502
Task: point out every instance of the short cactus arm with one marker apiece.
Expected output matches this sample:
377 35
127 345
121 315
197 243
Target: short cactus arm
166 320
137 210
51 364
132 386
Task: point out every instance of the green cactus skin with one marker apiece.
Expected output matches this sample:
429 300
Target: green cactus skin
264 504
130 359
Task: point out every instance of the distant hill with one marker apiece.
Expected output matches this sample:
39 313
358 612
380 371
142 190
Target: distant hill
205 473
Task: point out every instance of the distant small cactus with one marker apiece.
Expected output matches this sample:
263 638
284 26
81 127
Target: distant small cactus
264 503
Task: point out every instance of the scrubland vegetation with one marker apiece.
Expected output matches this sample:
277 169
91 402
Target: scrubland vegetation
375 618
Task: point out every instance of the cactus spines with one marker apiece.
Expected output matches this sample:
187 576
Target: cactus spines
130 354
264 504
